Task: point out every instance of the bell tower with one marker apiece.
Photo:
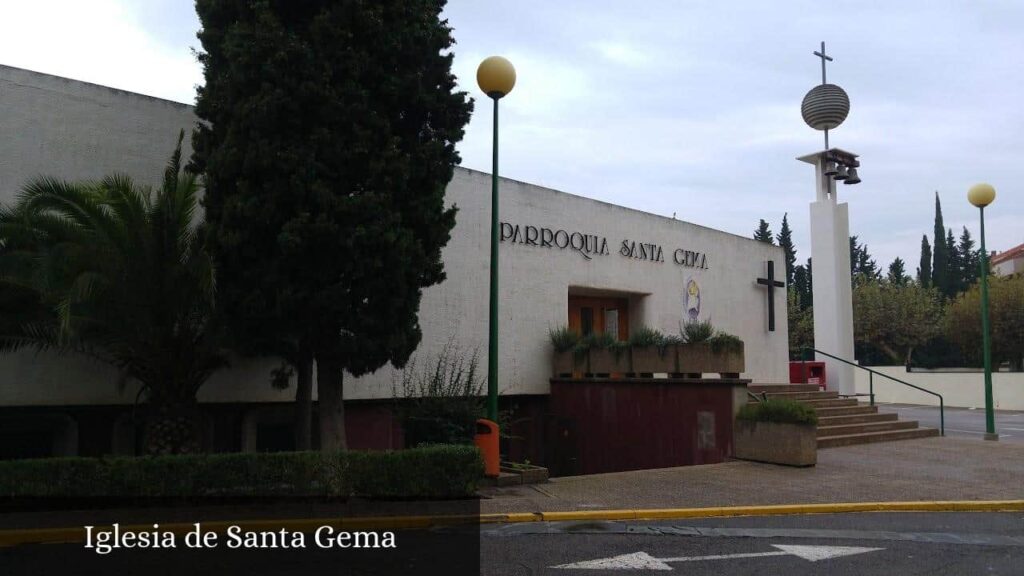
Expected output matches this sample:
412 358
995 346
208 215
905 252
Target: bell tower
825 107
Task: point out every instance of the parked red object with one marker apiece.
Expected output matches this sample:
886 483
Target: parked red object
486 440
807 373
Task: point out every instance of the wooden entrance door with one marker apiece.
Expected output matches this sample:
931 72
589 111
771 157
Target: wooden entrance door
597 315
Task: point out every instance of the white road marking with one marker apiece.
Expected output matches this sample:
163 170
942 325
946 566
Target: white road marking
644 561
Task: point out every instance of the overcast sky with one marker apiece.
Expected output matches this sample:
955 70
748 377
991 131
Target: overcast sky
670 107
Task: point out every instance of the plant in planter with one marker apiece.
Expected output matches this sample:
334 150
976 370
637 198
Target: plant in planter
653 352
777 431
694 355
708 350
728 350
569 356
605 354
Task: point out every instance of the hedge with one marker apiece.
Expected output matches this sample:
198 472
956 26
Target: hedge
778 410
439 471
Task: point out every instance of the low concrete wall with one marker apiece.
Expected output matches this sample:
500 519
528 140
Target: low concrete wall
959 389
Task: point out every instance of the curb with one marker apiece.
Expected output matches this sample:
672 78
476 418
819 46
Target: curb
77 534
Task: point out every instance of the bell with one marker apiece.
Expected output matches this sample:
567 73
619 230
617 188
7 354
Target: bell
841 174
830 168
852 177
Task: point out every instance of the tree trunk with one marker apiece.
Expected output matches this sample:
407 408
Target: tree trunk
330 381
173 429
304 405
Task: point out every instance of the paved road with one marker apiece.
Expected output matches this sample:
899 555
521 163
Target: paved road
860 544
963 422
838 545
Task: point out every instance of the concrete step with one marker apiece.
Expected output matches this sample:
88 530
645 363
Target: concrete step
846 429
821 402
758 388
830 402
805 395
825 421
870 437
846 410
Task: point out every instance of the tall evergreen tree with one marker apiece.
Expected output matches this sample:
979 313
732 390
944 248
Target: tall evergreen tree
897 273
924 269
803 281
764 233
862 265
954 281
969 259
940 252
327 139
785 239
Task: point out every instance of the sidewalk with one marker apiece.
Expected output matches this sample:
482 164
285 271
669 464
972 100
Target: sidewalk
929 469
925 469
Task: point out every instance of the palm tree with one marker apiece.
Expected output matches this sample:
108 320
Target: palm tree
117 271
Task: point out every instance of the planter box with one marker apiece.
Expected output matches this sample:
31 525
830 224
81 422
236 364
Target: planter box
568 363
776 443
652 359
605 361
528 474
699 358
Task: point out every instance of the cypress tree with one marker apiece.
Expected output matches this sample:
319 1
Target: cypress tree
940 252
924 269
327 139
785 239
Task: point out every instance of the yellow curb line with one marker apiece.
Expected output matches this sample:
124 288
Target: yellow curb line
78 534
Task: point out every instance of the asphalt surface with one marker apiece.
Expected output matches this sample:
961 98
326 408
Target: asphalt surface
836 544
963 422
924 543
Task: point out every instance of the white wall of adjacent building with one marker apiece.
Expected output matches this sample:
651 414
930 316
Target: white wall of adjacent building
958 389
64 128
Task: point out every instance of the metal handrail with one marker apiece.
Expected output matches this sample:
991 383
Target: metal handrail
871 383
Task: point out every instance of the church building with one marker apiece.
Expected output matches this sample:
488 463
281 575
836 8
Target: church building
565 260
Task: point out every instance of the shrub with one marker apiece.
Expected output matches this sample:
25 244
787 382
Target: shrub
696 331
725 342
441 403
439 471
563 339
646 337
777 410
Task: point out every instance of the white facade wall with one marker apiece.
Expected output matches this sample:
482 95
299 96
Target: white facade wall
958 389
73 130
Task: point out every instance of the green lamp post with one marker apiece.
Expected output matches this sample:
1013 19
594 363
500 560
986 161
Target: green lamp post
982 195
496 77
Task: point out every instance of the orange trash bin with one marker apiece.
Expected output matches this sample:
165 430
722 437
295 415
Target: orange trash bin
486 440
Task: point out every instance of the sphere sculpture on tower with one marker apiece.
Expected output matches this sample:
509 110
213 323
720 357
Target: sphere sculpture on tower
825 107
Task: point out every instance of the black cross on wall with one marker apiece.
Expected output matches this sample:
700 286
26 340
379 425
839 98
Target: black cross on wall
771 283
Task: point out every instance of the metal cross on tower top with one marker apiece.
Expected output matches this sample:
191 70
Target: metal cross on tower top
823 57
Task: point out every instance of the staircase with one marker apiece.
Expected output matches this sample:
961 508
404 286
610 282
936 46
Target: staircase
845 421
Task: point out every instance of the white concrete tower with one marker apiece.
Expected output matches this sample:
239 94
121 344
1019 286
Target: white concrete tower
825 107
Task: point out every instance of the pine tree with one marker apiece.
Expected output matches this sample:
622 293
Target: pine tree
940 252
969 260
804 284
955 279
763 233
924 269
785 239
897 273
862 265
